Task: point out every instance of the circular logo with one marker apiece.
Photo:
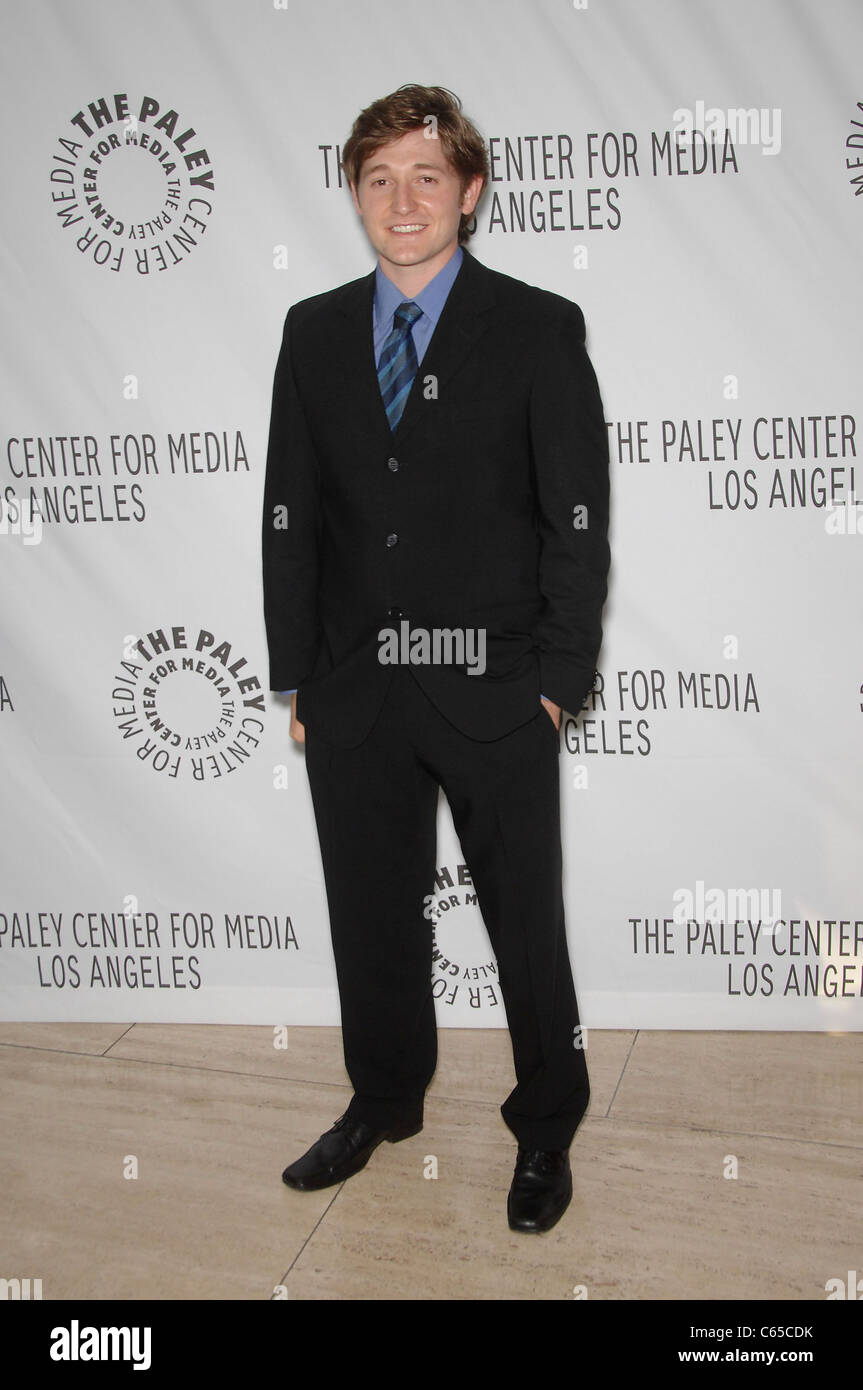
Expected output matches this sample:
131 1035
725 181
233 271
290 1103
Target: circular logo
132 183
464 969
187 704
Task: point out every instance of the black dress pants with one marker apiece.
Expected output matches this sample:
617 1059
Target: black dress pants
375 809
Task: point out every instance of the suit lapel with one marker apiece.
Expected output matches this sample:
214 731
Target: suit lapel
459 328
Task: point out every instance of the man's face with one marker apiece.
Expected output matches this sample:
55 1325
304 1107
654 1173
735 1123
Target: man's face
410 200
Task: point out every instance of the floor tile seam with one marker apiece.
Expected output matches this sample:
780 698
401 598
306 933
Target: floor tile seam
623 1070
326 1211
730 1130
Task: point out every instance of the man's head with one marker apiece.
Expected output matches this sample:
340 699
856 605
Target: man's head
416 169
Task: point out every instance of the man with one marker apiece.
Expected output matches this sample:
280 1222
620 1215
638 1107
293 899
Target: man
437 465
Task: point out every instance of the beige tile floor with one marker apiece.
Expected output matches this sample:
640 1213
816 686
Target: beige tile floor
213 1114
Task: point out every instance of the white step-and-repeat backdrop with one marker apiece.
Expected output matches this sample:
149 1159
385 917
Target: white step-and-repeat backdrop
689 172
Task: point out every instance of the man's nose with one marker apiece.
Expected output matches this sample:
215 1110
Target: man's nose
403 198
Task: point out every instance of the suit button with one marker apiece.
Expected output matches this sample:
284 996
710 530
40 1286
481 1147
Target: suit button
393 465
392 540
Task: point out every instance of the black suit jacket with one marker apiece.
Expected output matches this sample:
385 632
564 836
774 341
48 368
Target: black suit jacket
465 517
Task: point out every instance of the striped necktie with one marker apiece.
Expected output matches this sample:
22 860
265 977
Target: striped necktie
398 365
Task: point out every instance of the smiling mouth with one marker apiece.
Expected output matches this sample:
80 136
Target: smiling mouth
403 229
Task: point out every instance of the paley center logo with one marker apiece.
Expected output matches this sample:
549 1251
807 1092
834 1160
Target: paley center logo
187 703
132 181
464 969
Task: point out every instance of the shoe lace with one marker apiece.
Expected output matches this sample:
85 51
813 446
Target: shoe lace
537 1158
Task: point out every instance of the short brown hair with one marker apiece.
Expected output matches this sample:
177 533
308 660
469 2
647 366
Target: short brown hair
408 109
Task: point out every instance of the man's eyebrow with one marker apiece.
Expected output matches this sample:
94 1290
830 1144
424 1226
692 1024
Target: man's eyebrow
419 164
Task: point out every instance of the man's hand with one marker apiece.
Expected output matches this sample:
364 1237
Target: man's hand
298 730
553 711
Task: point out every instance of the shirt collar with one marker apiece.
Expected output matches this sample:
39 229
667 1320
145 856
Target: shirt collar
431 300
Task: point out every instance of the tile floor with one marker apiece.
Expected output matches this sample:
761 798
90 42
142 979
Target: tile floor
213 1114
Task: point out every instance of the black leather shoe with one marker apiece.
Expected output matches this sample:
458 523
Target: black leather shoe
541 1189
341 1152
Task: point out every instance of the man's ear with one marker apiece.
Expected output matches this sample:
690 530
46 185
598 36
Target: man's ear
473 188
353 188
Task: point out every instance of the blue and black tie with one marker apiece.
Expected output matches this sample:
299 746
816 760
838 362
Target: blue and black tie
398 365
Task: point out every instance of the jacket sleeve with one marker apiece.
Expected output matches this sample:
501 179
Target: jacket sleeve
569 447
290 532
